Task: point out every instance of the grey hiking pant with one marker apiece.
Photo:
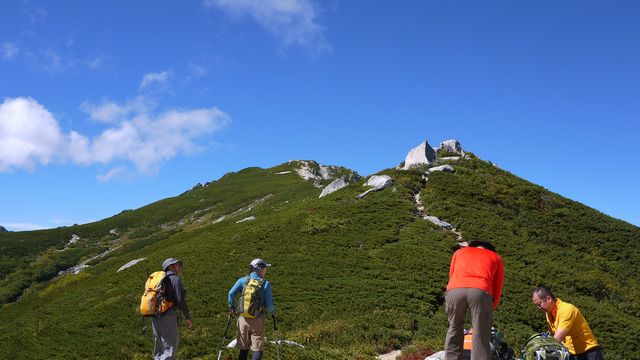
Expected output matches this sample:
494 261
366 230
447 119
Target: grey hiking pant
165 335
480 304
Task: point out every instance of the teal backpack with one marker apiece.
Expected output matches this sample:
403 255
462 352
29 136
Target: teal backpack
544 347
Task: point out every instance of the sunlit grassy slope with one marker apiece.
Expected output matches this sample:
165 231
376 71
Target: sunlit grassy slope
352 278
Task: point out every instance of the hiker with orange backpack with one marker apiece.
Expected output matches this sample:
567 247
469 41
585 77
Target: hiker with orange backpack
256 299
162 301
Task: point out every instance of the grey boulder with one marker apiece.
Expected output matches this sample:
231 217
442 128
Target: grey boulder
438 222
335 185
377 182
422 154
443 168
452 146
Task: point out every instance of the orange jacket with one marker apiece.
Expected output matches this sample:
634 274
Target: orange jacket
478 268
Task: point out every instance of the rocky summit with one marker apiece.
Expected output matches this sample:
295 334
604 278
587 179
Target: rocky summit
422 154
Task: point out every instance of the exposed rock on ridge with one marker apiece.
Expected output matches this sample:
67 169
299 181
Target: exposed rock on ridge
444 168
422 154
339 183
425 155
378 182
452 146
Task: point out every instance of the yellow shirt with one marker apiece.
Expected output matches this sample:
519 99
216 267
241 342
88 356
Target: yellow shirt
579 336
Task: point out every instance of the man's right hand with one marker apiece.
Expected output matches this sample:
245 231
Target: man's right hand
232 312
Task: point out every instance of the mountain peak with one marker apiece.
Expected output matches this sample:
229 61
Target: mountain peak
425 154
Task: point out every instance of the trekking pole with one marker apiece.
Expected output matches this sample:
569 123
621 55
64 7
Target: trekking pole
224 337
275 332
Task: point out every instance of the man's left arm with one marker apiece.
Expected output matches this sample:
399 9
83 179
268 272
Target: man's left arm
180 300
560 334
566 316
498 283
268 299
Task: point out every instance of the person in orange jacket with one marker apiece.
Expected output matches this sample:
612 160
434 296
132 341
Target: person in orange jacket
476 277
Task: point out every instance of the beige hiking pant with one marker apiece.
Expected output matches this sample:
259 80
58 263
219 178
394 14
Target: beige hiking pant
251 333
480 305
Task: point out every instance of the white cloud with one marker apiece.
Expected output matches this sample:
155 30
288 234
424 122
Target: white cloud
52 60
9 50
35 13
116 172
147 141
23 226
160 79
293 22
29 134
110 111
198 70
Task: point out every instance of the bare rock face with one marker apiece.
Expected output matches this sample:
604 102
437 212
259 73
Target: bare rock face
423 154
335 185
311 170
443 224
452 146
444 168
2 229
250 218
130 264
378 182
74 239
340 183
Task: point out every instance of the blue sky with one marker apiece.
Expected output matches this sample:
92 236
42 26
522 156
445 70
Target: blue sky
106 106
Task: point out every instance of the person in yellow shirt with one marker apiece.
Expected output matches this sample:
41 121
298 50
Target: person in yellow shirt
567 325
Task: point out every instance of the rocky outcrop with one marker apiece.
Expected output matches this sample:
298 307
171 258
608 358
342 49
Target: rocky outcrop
451 146
74 270
444 168
339 183
130 264
311 170
2 229
335 185
449 158
422 154
74 239
377 182
219 220
443 224
250 218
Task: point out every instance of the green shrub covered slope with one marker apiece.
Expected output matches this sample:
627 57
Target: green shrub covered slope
351 278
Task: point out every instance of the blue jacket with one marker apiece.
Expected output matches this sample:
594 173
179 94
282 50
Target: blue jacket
267 295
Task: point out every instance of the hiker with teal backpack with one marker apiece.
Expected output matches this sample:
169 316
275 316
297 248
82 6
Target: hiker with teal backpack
568 325
255 301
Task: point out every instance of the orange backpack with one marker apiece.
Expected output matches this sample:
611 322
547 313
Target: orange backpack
153 302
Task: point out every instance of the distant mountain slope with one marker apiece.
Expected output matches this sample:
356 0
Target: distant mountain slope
352 278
